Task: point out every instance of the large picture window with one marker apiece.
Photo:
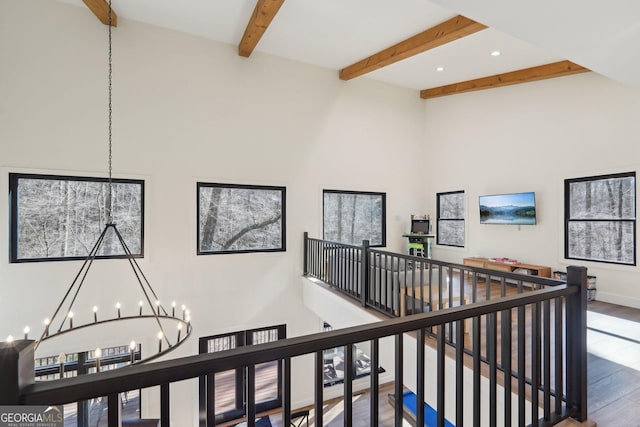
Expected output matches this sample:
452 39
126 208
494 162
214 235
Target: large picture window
240 218
351 217
451 217
60 217
600 218
230 392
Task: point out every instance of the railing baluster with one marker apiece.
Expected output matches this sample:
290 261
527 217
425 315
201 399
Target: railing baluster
420 380
211 399
165 405
305 263
399 384
546 366
522 374
348 384
251 396
286 391
375 383
535 361
493 368
113 411
318 397
559 355
476 371
460 373
440 354
506 344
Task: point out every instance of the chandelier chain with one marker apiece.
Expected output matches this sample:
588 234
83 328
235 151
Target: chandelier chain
110 190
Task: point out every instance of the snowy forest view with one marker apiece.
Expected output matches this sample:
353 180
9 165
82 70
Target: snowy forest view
353 217
235 218
451 219
601 222
62 218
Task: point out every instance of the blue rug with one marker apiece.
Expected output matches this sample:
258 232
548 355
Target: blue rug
430 415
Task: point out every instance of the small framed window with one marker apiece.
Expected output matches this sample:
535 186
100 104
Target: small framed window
230 395
55 218
600 218
236 218
353 216
451 219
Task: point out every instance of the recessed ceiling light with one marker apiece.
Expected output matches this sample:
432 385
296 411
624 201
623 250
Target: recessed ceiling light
496 53
439 68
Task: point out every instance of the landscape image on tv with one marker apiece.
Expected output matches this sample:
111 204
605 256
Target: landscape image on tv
518 208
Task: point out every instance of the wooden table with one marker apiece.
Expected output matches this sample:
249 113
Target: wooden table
534 270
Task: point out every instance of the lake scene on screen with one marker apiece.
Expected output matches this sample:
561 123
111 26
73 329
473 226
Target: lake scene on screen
516 208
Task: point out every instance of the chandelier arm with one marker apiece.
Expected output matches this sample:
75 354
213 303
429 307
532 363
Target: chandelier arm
88 260
133 261
137 271
86 267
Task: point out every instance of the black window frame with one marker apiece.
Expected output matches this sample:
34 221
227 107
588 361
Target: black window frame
15 177
242 338
568 220
383 230
283 217
439 219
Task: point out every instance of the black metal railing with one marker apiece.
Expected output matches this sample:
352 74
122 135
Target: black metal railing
398 285
525 365
557 389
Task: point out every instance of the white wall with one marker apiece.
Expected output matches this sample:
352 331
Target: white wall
531 137
187 110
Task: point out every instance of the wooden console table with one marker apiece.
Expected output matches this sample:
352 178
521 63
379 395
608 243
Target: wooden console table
535 270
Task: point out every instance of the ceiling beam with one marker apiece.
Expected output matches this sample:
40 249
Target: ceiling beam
548 71
446 32
262 16
100 8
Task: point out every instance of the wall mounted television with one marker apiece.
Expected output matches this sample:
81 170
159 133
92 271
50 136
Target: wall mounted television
514 208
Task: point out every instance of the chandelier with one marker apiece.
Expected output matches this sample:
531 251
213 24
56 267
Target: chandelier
161 327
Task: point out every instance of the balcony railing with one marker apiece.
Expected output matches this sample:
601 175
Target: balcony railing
552 320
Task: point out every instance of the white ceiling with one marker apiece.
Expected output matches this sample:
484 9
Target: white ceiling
604 37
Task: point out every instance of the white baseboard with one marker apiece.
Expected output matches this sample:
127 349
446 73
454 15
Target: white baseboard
617 299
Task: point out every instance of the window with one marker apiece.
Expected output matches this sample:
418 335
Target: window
451 213
600 218
240 218
229 393
351 217
61 217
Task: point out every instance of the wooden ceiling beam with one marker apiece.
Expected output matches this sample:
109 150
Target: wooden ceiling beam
548 71
100 8
262 16
446 32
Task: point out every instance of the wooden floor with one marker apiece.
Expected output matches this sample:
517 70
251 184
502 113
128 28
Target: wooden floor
613 342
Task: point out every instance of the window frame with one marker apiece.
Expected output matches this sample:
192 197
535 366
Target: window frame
438 219
283 217
15 177
243 338
568 220
383 230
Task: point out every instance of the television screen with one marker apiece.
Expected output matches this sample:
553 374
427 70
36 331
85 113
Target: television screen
517 208
420 226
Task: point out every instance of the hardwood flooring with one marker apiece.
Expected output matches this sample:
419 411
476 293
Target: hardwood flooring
613 343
